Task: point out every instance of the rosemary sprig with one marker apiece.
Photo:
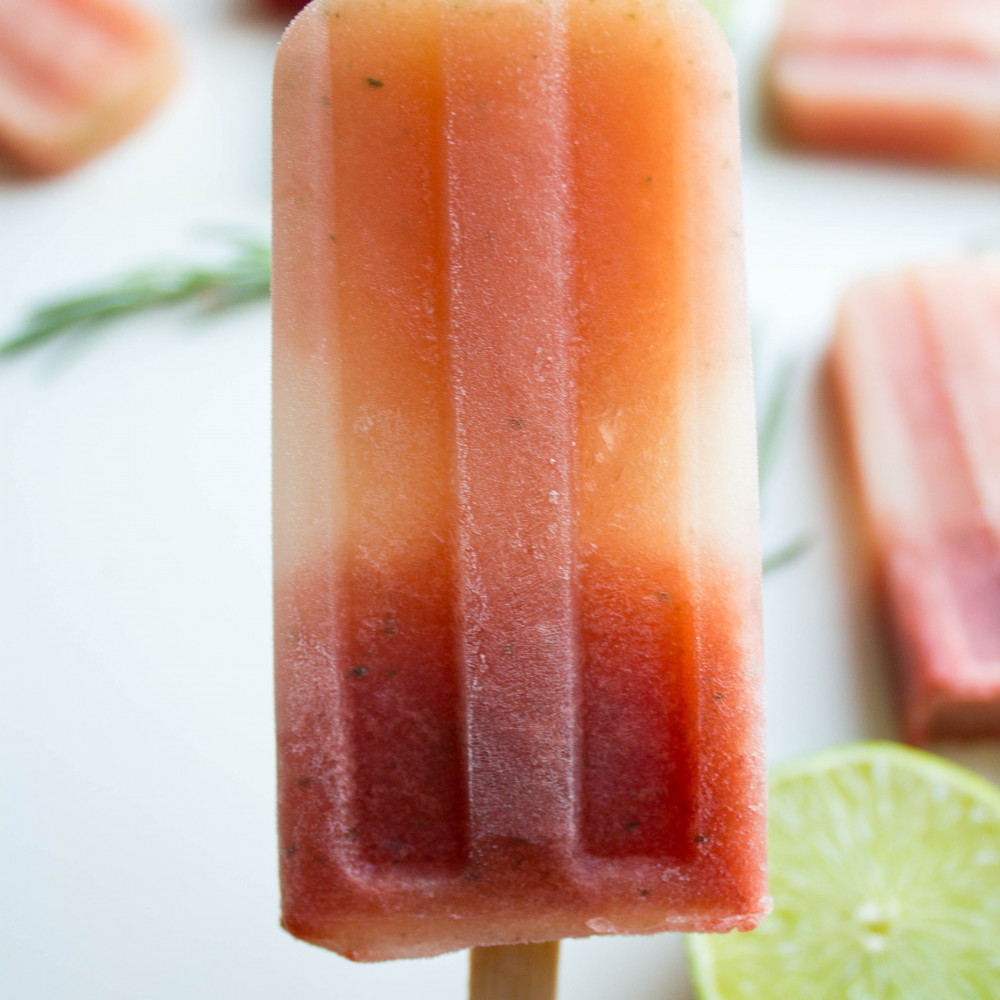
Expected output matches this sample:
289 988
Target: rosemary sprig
244 276
773 409
786 553
772 419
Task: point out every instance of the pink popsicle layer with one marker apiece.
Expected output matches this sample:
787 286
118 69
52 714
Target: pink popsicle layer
917 361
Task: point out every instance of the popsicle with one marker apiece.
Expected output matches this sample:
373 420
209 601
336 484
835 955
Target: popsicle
75 77
903 79
517 570
917 363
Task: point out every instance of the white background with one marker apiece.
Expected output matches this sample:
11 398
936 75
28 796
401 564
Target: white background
137 834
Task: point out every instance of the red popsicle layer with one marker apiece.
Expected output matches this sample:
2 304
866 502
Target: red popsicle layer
917 362
75 77
517 570
904 79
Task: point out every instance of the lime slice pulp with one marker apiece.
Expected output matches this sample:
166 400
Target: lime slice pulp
885 871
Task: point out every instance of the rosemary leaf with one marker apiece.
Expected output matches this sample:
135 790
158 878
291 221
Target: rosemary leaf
787 553
244 276
721 10
772 421
773 410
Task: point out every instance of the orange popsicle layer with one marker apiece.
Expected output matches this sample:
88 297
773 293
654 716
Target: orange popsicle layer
516 555
75 77
917 362
903 79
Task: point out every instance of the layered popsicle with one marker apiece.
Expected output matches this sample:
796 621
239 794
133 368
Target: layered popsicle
516 557
903 79
917 363
75 77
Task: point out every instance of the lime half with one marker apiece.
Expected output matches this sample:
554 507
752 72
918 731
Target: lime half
885 871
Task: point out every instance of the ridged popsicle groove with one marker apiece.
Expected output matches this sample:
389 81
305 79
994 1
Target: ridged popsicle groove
474 648
396 603
510 318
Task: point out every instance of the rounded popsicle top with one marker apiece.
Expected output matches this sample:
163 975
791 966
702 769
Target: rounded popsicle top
702 27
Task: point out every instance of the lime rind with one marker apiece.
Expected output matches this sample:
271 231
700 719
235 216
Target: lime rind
886 878
722 10
869 751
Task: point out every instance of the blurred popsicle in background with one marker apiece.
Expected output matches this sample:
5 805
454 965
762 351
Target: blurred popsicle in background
901 79
916 359
517 571
289 7
75 77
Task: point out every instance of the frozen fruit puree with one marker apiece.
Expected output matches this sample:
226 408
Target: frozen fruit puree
516 557
75 77
906 79
917 363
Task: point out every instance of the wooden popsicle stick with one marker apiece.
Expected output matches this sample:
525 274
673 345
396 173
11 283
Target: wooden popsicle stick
514 972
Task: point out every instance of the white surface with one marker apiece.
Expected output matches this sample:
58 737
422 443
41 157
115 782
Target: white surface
136 844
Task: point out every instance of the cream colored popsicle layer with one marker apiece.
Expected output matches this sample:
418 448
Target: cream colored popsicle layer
75 77
906 79
516 555
917 363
